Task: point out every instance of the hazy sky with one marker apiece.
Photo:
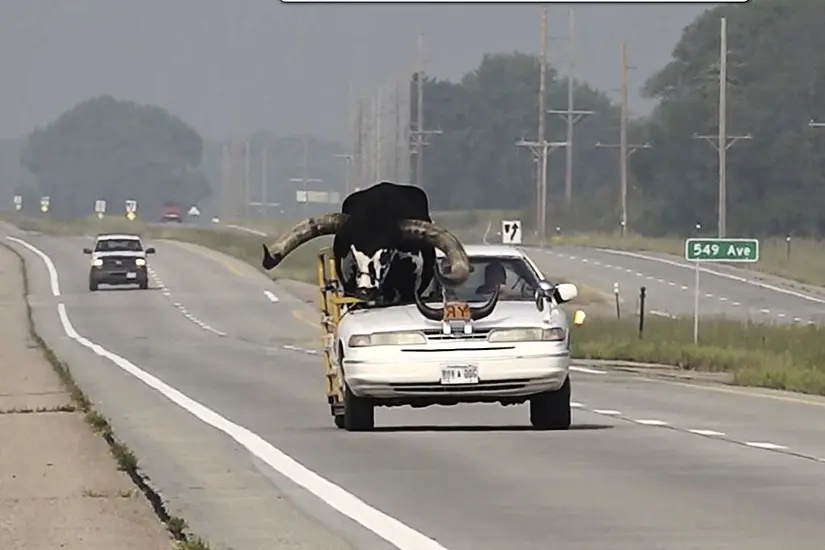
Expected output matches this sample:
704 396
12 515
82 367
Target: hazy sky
234 66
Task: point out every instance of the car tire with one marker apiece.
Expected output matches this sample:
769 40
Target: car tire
92 285
359 414
339 421
144 284
551 410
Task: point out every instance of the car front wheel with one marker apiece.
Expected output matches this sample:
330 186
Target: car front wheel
92 284
551 410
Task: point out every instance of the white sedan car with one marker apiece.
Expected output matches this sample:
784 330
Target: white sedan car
521 352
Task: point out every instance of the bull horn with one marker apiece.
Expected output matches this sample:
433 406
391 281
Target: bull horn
476 313
431 313
301 233
459 263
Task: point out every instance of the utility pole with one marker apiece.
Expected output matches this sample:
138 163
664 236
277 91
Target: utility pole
347 166
378 142
246 179
570 115
264 181
625 150
419 135
541 148
723 141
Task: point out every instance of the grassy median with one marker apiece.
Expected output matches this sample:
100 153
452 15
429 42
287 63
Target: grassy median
785 357
790 357
802 261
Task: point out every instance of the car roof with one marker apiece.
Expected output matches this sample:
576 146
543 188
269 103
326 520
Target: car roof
119 236
488 251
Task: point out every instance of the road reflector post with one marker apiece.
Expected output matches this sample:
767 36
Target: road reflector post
642 293
788 248
616 294
698 250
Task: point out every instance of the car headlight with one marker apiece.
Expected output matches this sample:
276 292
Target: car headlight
553 334
97 262
140 262
387 339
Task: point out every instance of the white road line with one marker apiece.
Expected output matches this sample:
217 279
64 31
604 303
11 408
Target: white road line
722 298
651 422
764 311
717 273
54 282
797 320
607 412
270 296
586 370
765 445
661 314
671 283
708 295
576 405
780 315
708 433
684 287
737 304
385 526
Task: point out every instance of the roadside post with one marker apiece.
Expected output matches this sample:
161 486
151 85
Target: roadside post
699 250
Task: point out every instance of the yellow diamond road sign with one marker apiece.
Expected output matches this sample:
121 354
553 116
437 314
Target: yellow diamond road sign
131 215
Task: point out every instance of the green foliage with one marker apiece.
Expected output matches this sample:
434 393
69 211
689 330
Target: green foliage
115 150
475 163
776 84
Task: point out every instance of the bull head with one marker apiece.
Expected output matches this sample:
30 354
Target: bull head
456 270
476 313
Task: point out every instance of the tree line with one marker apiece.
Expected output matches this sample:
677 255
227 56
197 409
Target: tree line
776 179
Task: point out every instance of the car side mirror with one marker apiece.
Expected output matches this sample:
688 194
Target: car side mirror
87 250
565 292
150 250
543 292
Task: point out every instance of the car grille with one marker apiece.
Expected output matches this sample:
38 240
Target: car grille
118 262
435 335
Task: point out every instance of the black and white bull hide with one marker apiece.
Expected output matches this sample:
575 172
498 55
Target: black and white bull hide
384 245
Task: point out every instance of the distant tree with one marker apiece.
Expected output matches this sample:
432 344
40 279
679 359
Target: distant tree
776 70
115 150
475 163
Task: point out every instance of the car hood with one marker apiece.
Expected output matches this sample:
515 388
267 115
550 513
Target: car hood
401 318
123 254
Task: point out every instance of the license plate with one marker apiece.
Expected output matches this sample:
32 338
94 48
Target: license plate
459 374
131 275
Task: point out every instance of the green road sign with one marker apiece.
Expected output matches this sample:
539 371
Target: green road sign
722 250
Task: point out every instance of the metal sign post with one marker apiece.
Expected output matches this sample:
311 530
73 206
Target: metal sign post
698 250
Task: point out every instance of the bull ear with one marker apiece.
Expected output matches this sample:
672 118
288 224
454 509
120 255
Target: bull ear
303 232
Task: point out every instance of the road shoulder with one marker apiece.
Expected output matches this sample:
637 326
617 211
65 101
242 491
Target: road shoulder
59 485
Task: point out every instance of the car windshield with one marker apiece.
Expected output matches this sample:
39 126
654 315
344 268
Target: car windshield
118 245
518 281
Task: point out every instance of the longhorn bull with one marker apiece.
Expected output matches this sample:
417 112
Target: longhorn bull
384 246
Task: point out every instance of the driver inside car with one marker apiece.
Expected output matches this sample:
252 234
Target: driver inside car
494 276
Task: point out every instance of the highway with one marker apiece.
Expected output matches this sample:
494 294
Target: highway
213 378
670 284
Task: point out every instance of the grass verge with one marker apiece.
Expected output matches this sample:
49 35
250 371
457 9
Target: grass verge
783 357
787 357
124 457
803 262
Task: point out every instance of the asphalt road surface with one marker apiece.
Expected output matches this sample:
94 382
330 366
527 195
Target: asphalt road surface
212 377
670 285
